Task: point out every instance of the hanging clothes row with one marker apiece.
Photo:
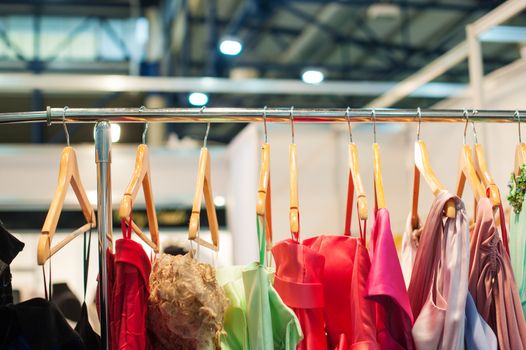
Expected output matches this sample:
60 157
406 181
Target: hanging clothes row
454 287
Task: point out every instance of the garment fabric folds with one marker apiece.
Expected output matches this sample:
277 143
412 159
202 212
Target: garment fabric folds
439 280
517 242
491 281
129 295
394 318
257 318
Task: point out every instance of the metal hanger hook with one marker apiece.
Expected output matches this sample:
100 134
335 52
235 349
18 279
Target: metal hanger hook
419 115
466 116
518 115
291 117
373 114
265 122
146 126
347 116
474 114
205 141
64 124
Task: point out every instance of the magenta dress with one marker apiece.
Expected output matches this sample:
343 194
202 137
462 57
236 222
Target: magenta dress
386 286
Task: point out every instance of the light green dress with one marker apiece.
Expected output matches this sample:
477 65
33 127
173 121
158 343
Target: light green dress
517 241
256 318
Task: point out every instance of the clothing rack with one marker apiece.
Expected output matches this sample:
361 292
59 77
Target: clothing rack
103 116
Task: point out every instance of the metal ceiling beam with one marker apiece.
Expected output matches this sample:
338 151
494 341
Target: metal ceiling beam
73 84
416 5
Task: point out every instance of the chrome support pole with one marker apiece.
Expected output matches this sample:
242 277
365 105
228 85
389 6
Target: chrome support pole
104 219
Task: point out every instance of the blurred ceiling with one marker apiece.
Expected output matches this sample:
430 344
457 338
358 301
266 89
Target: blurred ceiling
351 40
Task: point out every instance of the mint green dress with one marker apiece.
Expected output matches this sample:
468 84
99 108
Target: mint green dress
256 318
517 243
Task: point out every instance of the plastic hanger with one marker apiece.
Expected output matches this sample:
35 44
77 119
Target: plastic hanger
468 170
520 150
379 197
263 204
68 175
423 167
141 177
204 186
294 220
481 166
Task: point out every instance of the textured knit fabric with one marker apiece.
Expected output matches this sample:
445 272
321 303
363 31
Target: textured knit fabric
186 307
298 280
129 296
491 281
394 318
439 281
518 252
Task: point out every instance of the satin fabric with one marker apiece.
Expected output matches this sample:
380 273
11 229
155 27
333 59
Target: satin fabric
517 244
257 318
129 297
349 316
478 334
409 248
439 281
386 286
298 280
491 281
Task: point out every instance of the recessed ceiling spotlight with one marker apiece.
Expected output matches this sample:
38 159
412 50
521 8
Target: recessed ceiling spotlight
198 99
312 76
230 46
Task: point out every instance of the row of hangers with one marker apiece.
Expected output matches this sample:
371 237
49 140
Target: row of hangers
473 168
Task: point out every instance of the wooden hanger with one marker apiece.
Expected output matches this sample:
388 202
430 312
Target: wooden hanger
520 149
141 177
294 219
481 167
263 204
204 186
361 199
423 167
468 171
68 174
378 181
354 169
379 198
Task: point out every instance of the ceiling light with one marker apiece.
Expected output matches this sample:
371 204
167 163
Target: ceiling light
115 133
312 76
219 201
198 99
230 47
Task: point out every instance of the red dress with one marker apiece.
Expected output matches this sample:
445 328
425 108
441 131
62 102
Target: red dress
129 297
298 280
325 280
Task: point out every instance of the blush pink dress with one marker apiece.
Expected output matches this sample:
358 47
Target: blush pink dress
438 286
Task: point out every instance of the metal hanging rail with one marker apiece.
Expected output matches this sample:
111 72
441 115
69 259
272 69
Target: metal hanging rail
246 115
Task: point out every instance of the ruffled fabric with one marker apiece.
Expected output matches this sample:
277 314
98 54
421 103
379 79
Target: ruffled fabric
186 306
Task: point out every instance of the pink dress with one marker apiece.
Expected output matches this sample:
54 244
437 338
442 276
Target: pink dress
491 281
439 281
394 318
